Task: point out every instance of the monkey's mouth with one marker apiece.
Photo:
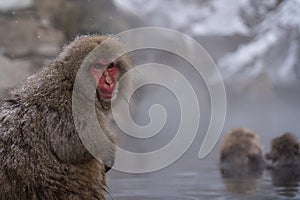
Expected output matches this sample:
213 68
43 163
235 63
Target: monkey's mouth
105 94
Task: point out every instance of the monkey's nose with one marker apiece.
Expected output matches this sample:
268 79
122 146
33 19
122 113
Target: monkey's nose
108 80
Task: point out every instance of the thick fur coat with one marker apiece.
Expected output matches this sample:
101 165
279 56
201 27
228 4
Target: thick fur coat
41 155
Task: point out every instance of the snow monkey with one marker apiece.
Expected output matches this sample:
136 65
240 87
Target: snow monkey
241 160
241 147
41 153
285 151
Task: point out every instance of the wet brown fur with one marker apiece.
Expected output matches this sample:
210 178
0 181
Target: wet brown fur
285 151
41 155
241 149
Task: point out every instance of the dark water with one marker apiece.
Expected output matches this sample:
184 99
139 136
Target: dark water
267 109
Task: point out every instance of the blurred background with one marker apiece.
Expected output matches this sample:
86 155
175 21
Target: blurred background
255 44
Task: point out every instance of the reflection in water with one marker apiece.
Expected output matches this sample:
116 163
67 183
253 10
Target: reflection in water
286 180
245 184
240 180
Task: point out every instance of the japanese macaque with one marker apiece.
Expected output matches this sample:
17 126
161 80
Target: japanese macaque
285 151
285 166
241 148
241 160
41 153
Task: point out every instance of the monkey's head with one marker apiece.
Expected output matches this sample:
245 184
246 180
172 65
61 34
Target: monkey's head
241 145
103 61
284 149
241 152
88 71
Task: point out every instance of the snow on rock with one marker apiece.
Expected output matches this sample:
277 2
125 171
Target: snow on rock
247 54
222 20
280 24
6 5
267 23
192 16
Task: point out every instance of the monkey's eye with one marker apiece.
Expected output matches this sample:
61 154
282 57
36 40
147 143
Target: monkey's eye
97 66
110 66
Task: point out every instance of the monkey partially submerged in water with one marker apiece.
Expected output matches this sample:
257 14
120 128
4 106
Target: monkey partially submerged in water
41 154
241 160
241 149
285 151
285 164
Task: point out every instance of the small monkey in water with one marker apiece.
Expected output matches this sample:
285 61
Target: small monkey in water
241 160
285 163
285 151
241 148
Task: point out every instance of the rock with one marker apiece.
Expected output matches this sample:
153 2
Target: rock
32 32
12 72
95 16
25 36
27 43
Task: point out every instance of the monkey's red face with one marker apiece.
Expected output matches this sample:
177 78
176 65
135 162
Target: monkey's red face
106 75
